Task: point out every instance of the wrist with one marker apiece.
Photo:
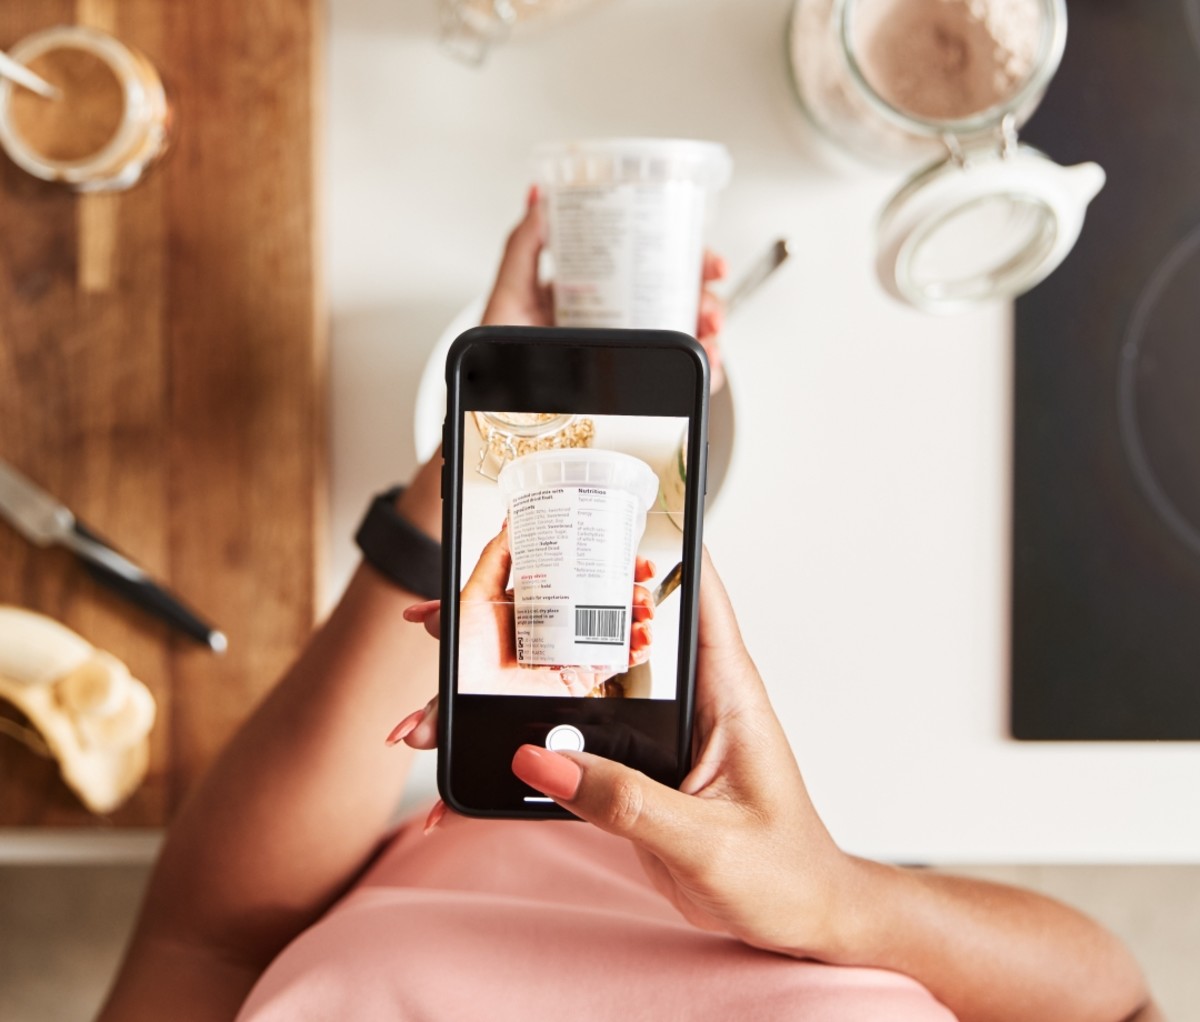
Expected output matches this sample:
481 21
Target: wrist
859 928
420 503
839 928
397 548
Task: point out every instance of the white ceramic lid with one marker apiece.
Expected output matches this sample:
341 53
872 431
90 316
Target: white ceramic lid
990 227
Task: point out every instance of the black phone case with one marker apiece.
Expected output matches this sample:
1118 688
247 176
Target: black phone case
578 347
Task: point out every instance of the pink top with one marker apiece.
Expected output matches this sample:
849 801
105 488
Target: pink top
515 920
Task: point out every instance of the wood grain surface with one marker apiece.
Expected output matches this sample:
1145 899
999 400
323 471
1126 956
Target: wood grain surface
162 371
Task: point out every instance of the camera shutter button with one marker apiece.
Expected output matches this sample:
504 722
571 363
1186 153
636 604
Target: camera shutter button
565 738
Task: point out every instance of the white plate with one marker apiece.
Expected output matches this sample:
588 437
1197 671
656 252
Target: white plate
430 409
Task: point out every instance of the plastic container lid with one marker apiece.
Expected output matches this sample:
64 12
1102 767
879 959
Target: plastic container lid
614 161
994 228
580 467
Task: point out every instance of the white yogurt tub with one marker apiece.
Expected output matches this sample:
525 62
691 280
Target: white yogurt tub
575 519
625 228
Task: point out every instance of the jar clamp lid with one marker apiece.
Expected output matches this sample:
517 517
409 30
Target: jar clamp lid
893 81
982 226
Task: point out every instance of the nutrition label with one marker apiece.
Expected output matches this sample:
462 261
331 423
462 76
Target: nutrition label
573 550
627 255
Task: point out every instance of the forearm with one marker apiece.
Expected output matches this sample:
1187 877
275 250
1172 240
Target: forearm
988 951
299 800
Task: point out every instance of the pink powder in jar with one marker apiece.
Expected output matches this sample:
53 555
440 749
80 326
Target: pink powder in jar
947 60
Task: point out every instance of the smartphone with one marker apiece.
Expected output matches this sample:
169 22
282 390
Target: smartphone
573 485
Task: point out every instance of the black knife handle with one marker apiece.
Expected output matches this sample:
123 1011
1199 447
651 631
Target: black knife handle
150 596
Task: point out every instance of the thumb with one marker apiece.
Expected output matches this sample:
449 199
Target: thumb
726 678
617 799
518 273
719 634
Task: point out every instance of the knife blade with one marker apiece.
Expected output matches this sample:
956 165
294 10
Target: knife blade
46 521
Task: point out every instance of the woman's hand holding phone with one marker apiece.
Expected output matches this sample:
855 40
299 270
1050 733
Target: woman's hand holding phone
740 848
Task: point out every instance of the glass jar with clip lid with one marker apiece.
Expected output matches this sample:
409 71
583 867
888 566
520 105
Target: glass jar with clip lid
510 435
896 81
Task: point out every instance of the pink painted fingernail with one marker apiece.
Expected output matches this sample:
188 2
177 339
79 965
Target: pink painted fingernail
435 816
418 612
547 771
406 726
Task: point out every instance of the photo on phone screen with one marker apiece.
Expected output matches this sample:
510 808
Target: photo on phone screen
572 539
564 553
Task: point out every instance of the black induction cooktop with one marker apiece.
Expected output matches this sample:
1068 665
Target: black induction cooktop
1106 502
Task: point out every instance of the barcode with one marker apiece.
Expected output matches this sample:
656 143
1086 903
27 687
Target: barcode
600 625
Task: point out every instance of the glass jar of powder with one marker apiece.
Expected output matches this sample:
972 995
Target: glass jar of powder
510 435
109 122
471 27
896 81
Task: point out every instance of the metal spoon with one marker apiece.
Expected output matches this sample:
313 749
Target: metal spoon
753 279
668 585
20 74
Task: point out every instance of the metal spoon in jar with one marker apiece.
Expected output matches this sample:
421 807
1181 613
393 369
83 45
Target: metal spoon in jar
20 74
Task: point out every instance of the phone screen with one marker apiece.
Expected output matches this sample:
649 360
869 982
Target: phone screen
574 625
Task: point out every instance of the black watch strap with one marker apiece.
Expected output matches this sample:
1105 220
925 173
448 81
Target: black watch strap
397 549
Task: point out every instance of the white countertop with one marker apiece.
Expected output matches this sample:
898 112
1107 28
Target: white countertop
863 529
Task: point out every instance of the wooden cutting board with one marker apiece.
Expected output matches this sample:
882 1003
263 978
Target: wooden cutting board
162 371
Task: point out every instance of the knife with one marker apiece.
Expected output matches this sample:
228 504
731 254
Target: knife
45 521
